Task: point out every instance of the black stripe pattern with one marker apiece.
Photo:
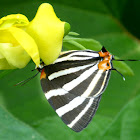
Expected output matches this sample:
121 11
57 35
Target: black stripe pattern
74 85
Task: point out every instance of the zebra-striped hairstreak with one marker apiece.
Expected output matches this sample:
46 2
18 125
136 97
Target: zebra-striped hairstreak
74 84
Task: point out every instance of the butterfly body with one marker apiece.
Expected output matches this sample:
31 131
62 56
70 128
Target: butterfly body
74 84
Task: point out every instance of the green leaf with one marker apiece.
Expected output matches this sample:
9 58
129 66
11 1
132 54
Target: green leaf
71 43
128 126
4 73
73 34
123 68
12 128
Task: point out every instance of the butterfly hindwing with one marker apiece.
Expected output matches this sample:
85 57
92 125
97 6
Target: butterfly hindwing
75 111
73 86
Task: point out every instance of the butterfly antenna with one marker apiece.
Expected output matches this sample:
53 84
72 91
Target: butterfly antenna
27 80
122 60
125 60
119 73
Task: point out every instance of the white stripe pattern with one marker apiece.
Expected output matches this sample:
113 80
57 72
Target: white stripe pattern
79 58
72 84
67 71
100 91
81 113
70 106
86 54
55 92
92 84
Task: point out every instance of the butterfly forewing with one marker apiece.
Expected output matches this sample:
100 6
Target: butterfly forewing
73 86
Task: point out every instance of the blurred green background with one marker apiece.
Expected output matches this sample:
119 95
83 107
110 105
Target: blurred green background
24 111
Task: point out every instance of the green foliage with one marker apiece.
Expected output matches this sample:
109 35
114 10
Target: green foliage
105 23
11 128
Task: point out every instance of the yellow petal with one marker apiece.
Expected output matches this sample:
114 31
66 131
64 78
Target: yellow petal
48 31
1 56
5 65
13 20
14 57
6 37
18 36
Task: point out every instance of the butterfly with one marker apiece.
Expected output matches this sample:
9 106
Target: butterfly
74 84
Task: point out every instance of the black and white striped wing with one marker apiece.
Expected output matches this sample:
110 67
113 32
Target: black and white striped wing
73 87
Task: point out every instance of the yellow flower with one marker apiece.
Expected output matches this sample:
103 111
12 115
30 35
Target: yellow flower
21 40
16 46
48 32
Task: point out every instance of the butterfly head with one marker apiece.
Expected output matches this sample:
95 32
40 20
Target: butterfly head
105 64
41 69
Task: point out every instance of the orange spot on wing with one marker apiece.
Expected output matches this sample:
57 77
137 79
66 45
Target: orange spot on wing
43 75
105 63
